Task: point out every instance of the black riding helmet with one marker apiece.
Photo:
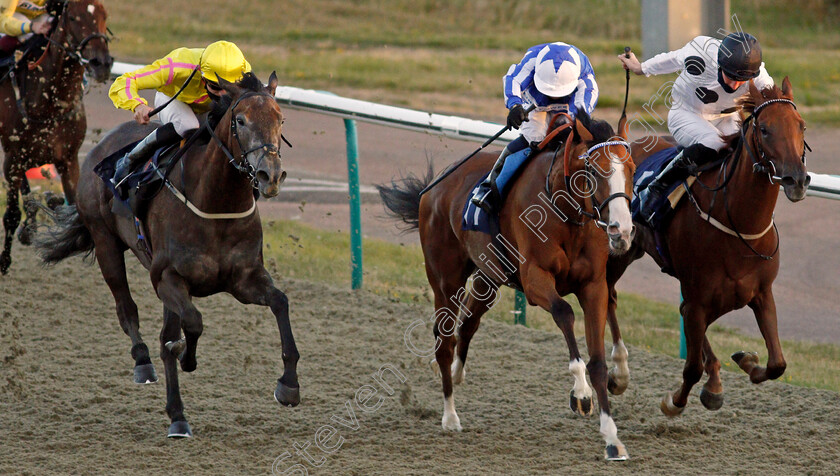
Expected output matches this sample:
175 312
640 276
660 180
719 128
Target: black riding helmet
739 56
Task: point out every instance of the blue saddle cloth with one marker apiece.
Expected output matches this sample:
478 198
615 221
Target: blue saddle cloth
645 173
476 219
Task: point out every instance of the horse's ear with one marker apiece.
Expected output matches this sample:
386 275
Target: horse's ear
582 132
272 83
622 127
231 88
787 89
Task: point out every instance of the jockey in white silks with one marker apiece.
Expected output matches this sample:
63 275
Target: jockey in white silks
715 74
553 77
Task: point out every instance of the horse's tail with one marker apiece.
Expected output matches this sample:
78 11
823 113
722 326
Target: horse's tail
402 197
68 237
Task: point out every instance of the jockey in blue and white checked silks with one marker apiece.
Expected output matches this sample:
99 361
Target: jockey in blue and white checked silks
553 77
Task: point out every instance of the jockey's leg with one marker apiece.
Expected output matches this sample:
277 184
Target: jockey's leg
487 196
177 117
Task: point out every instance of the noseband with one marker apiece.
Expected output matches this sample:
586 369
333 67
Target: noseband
240 162
762 164
598 208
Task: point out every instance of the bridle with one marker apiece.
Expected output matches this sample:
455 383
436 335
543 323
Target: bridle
74 53
762 164
597 207
240 162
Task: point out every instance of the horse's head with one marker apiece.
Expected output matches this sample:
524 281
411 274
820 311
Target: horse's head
81 24
608 169
255 123
777 138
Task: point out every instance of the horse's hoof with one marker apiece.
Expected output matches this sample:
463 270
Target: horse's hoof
176 347
188 365
710 400
615 385
26 233
179 429
742 358
668 408
145 374
287 396
581 406
451 422
616 453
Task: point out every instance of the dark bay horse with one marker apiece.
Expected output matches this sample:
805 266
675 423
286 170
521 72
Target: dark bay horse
49 124
730 260
546 242
210 245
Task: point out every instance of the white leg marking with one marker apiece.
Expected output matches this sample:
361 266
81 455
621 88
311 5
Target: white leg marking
619 358
450 421
458 372
608 429
581 389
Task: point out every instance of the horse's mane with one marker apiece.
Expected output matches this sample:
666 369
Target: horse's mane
748 103
601 131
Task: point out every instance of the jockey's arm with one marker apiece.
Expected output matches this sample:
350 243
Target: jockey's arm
10 25
124 92
520 76
585 96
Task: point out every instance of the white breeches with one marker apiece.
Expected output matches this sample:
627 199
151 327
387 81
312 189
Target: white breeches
177 112
691 128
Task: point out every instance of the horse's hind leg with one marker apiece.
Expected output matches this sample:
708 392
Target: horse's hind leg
11 220
171 345
711 396
764 307
258 288
109 255
619 375
482 296
695 324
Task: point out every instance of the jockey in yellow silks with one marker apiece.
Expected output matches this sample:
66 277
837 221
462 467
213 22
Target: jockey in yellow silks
167 76
20 18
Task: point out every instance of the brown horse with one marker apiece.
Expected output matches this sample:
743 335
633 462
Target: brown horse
728 258
552 246
49 124
206 241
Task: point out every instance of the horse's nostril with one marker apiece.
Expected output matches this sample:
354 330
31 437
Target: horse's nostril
807 180
788 181
262 176
95 62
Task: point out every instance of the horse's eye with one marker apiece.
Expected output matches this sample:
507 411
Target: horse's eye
240 121
763 130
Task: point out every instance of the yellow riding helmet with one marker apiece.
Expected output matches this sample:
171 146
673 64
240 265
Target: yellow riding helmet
225 60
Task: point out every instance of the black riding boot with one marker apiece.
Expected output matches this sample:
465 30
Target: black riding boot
161 137
487 197
679 169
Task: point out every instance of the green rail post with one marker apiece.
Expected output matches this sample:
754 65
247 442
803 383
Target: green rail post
355 203
520 308
683 348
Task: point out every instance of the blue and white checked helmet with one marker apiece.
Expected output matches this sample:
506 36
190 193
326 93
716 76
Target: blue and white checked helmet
557 70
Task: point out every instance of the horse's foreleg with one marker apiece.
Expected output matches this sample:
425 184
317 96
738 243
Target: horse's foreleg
593 300
174 292
30 224
764 307
539 287
619 375
694 322
171 346
11 220
711 396
258 288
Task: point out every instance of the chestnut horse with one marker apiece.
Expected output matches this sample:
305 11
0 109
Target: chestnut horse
205 241
552 246
49 124
728 257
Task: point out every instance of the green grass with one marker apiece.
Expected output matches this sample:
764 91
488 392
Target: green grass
449 56
296 250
